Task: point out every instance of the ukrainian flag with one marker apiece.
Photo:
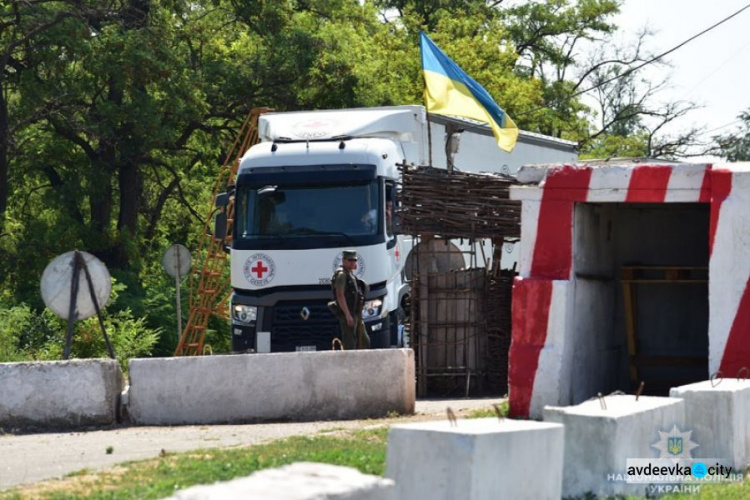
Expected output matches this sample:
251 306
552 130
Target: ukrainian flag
450 91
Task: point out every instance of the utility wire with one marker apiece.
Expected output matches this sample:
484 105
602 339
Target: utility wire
645 63
712 73
723 126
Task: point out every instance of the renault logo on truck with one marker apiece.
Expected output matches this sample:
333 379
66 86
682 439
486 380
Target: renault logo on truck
304 313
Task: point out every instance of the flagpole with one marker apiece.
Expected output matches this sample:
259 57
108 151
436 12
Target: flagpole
429 136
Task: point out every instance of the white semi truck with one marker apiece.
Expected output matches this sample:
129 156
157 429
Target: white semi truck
320 182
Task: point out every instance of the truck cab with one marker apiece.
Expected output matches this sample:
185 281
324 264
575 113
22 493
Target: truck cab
298 205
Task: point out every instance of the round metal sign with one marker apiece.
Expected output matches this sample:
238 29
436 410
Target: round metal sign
176 261
56 281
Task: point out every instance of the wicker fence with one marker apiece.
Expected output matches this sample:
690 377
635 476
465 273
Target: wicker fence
460 318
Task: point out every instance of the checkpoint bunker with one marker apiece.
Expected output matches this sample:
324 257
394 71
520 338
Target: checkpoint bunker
628 272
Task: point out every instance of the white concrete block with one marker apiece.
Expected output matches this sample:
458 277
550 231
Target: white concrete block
59 394
260 387
476 459
719 417
598 442
298 481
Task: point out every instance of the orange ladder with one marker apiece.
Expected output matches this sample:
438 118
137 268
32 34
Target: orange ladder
210 279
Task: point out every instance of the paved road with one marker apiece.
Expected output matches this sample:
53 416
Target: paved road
33 457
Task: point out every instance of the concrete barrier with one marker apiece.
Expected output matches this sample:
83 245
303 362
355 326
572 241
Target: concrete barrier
59 394
298 481
599 441
719 418
261 387
476 459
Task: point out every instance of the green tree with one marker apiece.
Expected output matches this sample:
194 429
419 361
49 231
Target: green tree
630 116
735 146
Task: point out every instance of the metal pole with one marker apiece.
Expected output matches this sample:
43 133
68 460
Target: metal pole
429 138
177 288
82 263
72 308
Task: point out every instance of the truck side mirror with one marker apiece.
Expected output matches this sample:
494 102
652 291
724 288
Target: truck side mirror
222 200
220 226
396 224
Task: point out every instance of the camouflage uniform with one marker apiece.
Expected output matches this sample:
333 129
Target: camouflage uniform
354 295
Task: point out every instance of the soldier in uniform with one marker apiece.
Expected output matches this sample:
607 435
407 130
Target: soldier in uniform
350 297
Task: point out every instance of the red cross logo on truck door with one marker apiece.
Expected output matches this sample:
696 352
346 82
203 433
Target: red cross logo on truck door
259 269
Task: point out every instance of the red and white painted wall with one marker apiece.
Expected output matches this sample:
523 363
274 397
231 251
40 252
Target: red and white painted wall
551 307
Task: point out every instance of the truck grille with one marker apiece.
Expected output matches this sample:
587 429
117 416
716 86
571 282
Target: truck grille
289 330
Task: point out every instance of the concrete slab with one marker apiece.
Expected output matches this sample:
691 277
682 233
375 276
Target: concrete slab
264 387
298 481
476 459
719 418
598 442
59 394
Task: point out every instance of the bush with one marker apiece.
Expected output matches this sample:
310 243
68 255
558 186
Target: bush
28 335
12 321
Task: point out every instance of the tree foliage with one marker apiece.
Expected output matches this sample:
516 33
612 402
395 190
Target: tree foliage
735 146
114 115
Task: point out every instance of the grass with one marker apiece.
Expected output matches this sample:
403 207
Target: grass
364 450
729 491
160 477
489 412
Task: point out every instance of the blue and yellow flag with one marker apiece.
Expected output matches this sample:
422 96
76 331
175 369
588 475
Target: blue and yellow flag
450 91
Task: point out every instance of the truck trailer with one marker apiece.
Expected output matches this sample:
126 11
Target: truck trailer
320 182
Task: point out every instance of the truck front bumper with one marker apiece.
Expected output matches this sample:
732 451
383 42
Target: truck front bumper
309 325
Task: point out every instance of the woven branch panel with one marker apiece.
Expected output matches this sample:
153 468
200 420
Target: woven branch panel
458 204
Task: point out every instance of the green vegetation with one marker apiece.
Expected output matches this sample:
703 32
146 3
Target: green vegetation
115 117
160 477
490 412
364 450
26 334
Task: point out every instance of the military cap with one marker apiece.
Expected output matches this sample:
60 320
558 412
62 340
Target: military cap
349 254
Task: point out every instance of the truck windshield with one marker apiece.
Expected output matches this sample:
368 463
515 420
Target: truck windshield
269 212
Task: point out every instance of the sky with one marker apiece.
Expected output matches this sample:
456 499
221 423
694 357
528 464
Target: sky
712 70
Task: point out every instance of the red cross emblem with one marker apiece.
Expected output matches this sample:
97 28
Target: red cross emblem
259 269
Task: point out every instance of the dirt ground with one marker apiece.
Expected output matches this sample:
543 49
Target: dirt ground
29 458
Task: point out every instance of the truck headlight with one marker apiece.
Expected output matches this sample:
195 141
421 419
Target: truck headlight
372 309
245 315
